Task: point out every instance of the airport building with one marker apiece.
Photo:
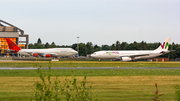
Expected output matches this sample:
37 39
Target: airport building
8 30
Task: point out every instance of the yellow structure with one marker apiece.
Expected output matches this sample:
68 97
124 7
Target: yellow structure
8 54
22 46
3 43
2 51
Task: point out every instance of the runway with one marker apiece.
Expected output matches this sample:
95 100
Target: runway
66 68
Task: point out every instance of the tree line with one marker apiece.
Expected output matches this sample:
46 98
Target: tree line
89 48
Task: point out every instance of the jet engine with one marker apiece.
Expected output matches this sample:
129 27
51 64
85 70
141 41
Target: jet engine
35 54
125 59
48 55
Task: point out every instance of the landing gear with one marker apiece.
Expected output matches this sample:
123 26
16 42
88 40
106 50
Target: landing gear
133 60
54 59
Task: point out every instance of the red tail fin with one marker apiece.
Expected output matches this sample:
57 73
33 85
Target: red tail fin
12 45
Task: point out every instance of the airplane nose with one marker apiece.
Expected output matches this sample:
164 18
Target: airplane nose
76 52
92 55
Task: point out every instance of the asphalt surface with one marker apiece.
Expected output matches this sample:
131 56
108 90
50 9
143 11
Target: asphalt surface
31 68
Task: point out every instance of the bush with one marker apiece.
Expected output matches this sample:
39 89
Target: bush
71 90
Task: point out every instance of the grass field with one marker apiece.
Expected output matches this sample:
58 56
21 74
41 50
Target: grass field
87 64
114 88
116 85
107 85
105 72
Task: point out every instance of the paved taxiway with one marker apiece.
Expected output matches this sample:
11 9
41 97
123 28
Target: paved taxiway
31 68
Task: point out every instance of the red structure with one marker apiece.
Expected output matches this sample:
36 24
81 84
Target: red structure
160 59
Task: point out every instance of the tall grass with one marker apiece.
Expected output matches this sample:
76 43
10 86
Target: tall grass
70 90
177 92
157 95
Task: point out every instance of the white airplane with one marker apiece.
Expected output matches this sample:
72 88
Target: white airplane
51 52
133 55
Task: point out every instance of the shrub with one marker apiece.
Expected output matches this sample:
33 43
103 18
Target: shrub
71 90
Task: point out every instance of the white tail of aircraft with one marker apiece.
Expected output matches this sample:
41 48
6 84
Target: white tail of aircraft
164 45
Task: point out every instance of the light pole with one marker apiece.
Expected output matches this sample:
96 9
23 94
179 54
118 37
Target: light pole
78 45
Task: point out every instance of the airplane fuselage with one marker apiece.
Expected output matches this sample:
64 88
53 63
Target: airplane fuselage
52 51
131 54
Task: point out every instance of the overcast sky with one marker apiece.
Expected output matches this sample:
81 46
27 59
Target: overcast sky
97 21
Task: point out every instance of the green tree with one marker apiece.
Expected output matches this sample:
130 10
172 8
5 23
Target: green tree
39 41
118 45
47 45
176 47
178 51
97 48
151 46
143 46
82 49
38 46
105 47
53 45
172 55
74 46
90 48
31 46
63 46
113 47
123 45
133 46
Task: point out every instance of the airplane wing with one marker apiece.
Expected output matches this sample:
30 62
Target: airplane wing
134 55
137 55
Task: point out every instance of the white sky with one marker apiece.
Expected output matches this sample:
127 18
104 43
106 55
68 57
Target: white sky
97 21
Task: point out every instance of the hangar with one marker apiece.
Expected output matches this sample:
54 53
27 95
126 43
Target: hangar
8 30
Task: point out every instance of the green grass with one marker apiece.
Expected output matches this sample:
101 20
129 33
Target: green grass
107 85
105 72
116 88
87 64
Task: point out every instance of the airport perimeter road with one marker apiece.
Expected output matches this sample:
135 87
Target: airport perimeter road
31 68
